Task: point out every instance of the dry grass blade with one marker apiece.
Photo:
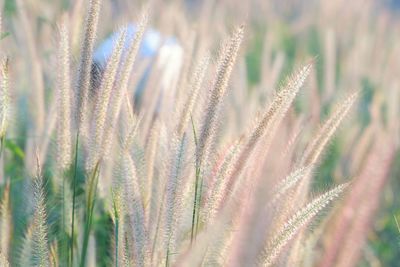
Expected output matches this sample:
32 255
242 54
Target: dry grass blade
296 223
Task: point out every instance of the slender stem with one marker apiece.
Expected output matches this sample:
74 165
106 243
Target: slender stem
116 228
167 257
2 140
89 212
116 241
199 205
64 255
74 199
195 210
397 223
196 185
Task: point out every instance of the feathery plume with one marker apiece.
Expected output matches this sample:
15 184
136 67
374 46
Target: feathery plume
350 228
326 132
126 69
85 64
173 190
295 223
315 148
41 249
150 155
27 248
35 249
133 207
224 69
289 182
120 90
195 85
102 103
270 120
5 221
64 147
218 186
4 98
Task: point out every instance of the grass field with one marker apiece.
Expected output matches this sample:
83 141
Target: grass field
205 133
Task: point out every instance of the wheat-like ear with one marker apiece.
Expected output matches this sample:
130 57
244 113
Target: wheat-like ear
5 221
35 249
172 202
126 69
3 260
218 186
151 187
4 98
131 134
26 254
64 147
133 207
194 85
326 132
120 89
97 141
348 233
271 252
270 120
324 135
224 69
41 249
85 64
289 182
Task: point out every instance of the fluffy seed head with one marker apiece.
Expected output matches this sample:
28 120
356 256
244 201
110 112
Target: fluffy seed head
64 148
85 64
4 97
5 221
326 132
224 69
295 223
